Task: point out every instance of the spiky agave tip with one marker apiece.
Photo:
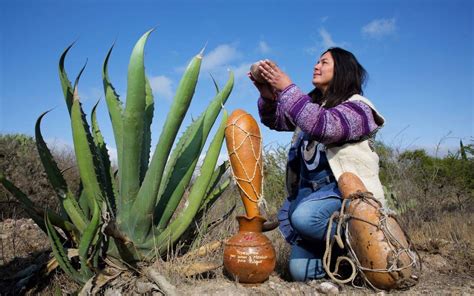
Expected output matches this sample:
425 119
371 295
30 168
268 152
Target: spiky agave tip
201 53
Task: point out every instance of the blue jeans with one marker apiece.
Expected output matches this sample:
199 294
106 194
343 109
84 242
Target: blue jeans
310 219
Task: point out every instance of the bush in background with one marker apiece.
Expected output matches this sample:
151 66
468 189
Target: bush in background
20 162
434 196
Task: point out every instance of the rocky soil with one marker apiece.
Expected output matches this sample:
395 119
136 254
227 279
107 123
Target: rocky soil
24 249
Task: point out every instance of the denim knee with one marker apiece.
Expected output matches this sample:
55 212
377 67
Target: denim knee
310 219
309 223
306 263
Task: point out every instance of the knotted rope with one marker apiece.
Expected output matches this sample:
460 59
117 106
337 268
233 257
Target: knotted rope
396 247
258 168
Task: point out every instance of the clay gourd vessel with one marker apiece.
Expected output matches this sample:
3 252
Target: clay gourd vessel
373 249
249 256
244 146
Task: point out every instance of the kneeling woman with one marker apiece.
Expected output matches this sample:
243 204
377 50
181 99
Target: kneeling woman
334 127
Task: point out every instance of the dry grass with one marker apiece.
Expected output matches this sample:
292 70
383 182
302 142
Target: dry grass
436 214
433 209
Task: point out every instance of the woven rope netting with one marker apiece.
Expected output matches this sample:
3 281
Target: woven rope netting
399 250
245 153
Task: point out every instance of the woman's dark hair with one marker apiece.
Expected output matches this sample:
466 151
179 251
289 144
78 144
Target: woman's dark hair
349 77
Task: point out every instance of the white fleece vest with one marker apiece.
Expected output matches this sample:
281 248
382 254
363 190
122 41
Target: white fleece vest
359 158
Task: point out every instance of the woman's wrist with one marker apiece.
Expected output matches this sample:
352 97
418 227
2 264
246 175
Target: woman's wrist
282 85
286 88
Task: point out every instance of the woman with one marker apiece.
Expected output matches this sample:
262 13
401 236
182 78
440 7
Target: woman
334 129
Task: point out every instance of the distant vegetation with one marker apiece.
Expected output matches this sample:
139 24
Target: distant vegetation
19 161
434 196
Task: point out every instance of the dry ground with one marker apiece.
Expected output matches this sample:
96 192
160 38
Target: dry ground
24 247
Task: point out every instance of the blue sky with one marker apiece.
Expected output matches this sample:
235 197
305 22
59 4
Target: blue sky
419 56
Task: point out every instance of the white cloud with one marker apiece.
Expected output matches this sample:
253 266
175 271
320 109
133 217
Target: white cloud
326 38
241 70
161 86
219 57
379 28
263 47
325 43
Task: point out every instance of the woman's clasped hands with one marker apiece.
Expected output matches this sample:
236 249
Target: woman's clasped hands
275 79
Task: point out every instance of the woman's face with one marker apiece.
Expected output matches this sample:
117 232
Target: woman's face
323 72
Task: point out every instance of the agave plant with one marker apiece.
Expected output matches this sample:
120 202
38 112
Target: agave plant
130 213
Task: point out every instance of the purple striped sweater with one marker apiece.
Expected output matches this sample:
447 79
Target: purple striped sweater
347 121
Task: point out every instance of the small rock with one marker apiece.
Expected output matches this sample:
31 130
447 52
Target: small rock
328 288
24 227
144 287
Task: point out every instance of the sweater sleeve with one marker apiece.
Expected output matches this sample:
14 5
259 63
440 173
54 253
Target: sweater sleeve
347 121
270 114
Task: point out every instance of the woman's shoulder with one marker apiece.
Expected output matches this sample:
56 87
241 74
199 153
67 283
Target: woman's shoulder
356 98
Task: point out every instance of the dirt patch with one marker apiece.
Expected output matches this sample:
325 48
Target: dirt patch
25 248
19 240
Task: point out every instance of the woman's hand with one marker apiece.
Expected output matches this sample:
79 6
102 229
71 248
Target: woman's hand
265 89
273 75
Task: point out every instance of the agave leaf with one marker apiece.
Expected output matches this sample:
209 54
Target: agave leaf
214 194
217 175
87 239
182 163
100 241
130 160
66 199
60 253
84 147
215 190
53 173
176 228
104 160
215 83
147 195
114 105
83 202
74 211
149 109
65 83
208 117
78 77
179 171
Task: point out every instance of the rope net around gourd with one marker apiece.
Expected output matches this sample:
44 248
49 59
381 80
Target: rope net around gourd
395 264
247 173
